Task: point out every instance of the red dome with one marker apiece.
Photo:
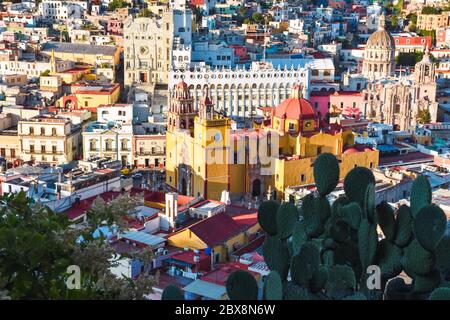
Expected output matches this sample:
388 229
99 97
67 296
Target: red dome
295 109
182 85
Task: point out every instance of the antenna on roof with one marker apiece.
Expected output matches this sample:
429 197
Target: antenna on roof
264 45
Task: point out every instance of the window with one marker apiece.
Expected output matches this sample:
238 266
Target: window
319 150
86 104
53 131
302 178
42 149
54 149
31 148
371 165
31 131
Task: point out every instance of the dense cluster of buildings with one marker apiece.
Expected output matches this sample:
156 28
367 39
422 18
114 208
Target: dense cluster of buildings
206 108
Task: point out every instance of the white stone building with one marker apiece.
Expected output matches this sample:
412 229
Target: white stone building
56 10
53 140
240 92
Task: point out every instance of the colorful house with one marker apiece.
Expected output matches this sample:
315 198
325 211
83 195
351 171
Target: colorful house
221 233
89 97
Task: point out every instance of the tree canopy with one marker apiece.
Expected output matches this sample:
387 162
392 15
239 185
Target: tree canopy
37 246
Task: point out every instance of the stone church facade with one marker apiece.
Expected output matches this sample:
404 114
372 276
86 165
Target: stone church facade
396 100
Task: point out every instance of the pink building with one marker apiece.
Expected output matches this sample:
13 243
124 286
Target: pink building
114 26
320 101
349 103
240 51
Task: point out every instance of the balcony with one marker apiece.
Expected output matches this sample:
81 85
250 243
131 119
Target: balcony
44 152
149 153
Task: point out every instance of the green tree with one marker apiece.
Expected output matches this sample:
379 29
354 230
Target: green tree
431 10
145 13
412 17
258 17
37 246
408 58
394 21
45 73
424 116
243 11
117 4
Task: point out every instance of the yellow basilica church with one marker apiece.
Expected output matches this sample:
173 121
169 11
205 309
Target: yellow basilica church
206 157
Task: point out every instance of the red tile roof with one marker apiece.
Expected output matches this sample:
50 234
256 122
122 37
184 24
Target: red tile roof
216 229
220 275
160 197
413 41
79 209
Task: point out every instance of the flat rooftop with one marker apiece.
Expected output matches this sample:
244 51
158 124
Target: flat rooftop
66 47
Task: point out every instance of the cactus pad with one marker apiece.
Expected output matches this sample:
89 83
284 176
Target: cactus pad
428 283
351 213
299 236
369 204
276 255
341 281
241 285
417 260
172 292
368 241
326 173
429 226
443 254
319 279
273 288
386 220
305 264
340 231
296 292
356 182
287 216
440 294
404 223
420 194
267 216
389 258
313 216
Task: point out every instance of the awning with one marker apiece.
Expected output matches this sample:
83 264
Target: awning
206 289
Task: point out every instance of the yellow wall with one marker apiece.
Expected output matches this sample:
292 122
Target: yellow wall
88 58
94 100
188 239
236 177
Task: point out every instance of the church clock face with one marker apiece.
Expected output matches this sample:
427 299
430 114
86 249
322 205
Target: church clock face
217 137
143 50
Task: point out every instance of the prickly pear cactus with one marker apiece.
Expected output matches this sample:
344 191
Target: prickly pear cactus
172 292
325 183
323 251
420 194
241 285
